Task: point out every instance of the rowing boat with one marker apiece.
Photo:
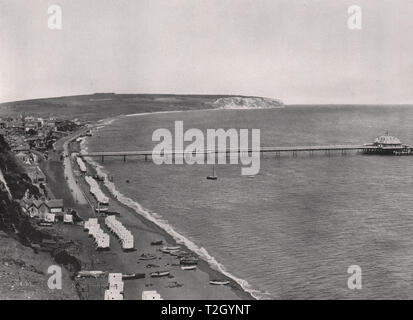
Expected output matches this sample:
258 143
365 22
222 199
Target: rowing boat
169 249
193 267
132 276
219 282
159 274
147 257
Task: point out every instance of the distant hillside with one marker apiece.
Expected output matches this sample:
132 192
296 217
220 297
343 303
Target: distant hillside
247 103
103 105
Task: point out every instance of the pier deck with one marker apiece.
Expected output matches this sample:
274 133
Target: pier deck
277 150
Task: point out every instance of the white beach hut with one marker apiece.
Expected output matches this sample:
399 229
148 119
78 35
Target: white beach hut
68 218
81 164
151 295
49 217
115 277
111 294
115 282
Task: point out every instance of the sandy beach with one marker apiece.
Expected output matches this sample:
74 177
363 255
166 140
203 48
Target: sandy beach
181 284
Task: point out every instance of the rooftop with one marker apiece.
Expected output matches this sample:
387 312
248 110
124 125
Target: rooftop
387 139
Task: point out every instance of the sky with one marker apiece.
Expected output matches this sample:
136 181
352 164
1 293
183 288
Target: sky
299 51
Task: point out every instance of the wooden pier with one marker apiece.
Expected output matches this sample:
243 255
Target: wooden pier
277 151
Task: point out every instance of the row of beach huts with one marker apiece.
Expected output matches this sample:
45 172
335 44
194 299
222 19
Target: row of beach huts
101 200
102 239
124 235
115 287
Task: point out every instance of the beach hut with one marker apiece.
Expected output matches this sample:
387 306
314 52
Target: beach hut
93 229
111 294
68 218
50 217
81 164
128 243
94 189
89 223
124 235
116 286
102 241
114 277
115 282
151 295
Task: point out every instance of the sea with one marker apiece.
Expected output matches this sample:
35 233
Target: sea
293 230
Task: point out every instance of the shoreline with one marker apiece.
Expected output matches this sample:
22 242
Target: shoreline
155 229
170 241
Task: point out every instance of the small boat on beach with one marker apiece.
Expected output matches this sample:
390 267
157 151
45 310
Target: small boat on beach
90 274
157 243
178 253
169 249
159 274
45 224
174 252
132 276
193 267
147 256
219 282
189 261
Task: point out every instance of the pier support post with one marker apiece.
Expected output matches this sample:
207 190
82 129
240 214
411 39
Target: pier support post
103 159
124 158
146 157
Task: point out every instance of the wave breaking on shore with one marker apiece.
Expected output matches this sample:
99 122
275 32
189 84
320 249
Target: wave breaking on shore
162 223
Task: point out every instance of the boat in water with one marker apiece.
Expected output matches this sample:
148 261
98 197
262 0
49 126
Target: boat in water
214 176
